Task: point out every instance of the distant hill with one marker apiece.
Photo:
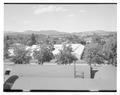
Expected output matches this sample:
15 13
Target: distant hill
57 33
99 32
43 32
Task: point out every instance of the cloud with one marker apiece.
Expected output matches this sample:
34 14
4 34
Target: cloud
48 8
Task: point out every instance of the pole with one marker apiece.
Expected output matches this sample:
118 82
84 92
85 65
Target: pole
74 70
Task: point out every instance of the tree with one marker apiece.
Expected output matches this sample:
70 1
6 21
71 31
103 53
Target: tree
98 52
44 54
6 47
32 40
91 53
7 44
96 38
65 56
21 56
73 39
110 50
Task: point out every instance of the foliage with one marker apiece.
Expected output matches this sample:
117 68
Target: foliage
44 54
75 39
7 43
98 39
65 56
6 47
91 53
32 40
21 56
97 52
110 50
103 47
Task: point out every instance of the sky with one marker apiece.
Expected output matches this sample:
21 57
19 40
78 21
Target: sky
61 17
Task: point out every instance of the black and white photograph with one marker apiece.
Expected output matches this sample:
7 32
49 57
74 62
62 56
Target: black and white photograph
60 47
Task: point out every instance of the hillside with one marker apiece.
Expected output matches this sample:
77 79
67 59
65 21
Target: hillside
58 33
43 32
99 32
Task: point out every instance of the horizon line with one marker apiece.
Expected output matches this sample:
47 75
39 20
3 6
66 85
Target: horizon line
10 31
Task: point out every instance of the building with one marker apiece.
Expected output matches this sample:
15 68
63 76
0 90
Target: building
77 49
